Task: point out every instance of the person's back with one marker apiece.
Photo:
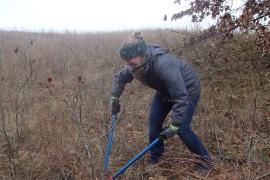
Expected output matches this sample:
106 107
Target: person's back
161 61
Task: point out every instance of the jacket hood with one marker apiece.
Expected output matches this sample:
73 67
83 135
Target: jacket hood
153 51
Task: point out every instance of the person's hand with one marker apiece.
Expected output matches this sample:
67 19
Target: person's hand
115 106
169 132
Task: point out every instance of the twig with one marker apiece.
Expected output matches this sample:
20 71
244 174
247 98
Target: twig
250 147
3 130
74 53
163 39
181 32
197 176
265 175
18 95
218 145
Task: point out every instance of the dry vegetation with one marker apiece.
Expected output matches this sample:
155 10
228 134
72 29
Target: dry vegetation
54 114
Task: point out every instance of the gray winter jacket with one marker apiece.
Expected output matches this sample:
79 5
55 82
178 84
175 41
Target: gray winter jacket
175 80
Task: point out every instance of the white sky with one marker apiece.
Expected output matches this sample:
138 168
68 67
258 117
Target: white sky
88 15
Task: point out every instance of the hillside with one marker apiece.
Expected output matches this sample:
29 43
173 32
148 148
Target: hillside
54 108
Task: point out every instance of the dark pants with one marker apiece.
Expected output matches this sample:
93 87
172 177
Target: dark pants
158 112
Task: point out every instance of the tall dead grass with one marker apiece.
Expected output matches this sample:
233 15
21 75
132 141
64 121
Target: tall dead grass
54 95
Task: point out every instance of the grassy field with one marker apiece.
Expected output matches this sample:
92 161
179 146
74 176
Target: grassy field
54 112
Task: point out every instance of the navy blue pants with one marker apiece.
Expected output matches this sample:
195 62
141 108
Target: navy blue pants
158 112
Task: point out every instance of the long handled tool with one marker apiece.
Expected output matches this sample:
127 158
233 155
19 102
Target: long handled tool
110 139
134 159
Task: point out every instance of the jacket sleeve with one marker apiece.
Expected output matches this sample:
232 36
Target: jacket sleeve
171 77
120 80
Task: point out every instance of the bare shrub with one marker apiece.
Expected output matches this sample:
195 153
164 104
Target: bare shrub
54 115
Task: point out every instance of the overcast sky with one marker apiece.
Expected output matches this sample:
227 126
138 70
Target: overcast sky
88 15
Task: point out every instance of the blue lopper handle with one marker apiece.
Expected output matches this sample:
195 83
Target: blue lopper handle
110 139
133 160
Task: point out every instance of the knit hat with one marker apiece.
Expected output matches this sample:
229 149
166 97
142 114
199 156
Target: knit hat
133 46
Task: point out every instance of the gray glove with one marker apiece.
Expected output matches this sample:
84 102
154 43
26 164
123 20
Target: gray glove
115 106
169 132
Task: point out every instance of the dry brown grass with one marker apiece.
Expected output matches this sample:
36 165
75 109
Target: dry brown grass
55 117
